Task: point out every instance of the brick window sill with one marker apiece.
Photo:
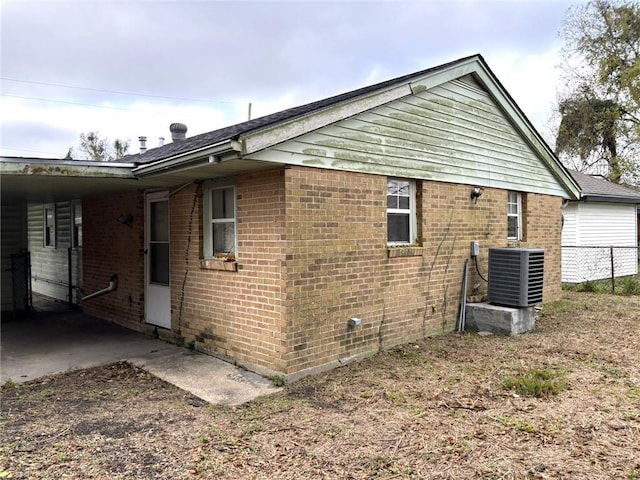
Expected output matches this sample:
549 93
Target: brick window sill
215 264
395 252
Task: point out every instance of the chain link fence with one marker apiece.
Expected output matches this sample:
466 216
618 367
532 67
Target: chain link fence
600 268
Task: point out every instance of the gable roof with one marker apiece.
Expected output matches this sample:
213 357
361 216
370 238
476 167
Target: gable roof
600 190
239 141
236 149
234 132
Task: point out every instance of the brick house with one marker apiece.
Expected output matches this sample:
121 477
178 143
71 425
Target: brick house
258 242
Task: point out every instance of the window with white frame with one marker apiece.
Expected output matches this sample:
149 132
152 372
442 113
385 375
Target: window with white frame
514 216
401 211
220 222
49 224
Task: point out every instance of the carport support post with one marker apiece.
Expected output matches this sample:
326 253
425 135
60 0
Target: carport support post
70 273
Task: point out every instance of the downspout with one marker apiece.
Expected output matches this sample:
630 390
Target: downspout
113 284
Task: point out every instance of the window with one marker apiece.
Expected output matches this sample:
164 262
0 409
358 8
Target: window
401 212
76 224
49 232
220 222
514 216
159 246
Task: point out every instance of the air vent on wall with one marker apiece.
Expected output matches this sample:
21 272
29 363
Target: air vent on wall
516 276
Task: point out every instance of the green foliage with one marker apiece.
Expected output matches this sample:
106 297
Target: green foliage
629 285
277 381
9 384
536 383
589 286
634 393
589 125
557 307
519 425
600 110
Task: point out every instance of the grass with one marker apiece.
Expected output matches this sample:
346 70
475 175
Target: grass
8 385
518 425
277 381
559 402
536 383
556 308
629 285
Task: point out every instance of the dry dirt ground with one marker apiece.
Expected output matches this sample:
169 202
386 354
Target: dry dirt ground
444 408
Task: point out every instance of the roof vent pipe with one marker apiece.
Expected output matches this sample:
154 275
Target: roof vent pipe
178 131
160 141
143 144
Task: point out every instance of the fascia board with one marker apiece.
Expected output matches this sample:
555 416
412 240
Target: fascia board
434 79
183 160
67 169
610 199
63 162
281 132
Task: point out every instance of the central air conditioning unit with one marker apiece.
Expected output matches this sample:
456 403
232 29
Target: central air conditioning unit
516 276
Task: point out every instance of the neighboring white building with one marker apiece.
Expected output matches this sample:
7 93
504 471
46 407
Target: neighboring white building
606 216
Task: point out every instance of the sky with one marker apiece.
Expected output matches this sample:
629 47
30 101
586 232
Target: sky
128 69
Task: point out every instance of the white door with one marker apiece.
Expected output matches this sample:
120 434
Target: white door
157 267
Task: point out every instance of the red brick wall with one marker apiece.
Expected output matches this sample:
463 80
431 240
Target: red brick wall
338 265
234 314
312 253
111 247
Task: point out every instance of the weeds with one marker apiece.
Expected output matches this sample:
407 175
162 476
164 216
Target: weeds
634 393
629 286
536 383
277 381
557 307
623 286
9 385
519 425
409 353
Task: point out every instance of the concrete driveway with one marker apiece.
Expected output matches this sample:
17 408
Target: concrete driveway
49 343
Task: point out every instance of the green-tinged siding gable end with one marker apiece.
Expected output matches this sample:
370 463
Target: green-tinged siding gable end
453 132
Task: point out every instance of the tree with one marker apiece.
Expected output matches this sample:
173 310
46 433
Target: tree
599 129
93 147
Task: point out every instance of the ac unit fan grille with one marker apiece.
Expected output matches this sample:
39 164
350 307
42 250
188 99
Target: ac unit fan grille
516 276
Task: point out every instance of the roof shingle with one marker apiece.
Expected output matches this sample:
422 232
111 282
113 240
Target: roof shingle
593 186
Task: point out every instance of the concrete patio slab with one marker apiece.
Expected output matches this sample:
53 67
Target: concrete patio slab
47 344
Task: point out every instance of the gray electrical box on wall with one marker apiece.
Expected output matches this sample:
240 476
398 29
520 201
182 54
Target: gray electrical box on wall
516 276
475 248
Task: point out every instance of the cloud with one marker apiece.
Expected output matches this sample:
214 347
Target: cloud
273 55
67 122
